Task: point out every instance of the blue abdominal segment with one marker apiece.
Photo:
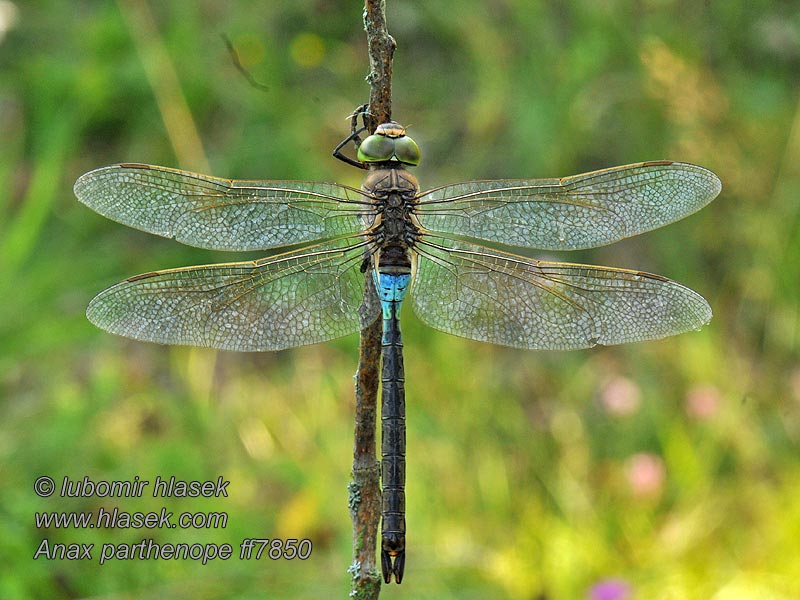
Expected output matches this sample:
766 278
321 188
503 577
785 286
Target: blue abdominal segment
391 288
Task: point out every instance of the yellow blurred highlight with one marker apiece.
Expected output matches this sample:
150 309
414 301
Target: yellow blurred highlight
257 440
248 490
197 367
512 570
307 50
9 17
747 586
699 108
120 426
298 516
692 95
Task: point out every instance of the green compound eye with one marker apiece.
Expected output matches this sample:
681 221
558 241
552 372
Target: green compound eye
406 151
376 148
383 147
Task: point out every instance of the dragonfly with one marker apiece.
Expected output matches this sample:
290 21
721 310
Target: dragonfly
429 245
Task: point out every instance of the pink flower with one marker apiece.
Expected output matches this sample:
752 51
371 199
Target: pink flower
646 475
610 589
621 396
702 401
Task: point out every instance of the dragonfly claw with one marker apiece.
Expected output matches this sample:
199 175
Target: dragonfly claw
397 568
359 111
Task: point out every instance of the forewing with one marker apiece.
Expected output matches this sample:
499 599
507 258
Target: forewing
582 211
280 302
221 214
505 299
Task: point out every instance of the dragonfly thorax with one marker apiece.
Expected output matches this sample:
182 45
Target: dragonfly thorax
392 179
393 193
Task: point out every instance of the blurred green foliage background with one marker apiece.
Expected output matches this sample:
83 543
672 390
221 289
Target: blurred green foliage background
664 469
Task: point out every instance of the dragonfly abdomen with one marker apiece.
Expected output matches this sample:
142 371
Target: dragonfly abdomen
393 448
392 278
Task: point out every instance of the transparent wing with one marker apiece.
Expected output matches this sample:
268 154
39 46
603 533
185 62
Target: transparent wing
220 214
582 211
505 299
297 298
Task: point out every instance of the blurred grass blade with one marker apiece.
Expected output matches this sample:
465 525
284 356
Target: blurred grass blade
166 86
51 146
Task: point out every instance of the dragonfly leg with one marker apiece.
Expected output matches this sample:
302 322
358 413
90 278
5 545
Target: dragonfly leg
363 112
355 136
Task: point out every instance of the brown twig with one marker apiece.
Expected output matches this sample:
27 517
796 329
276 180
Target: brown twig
365 492
381 52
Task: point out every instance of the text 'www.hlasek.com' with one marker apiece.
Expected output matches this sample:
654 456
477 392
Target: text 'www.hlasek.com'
112 516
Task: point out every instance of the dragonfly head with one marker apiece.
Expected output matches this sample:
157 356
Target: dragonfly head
389 144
